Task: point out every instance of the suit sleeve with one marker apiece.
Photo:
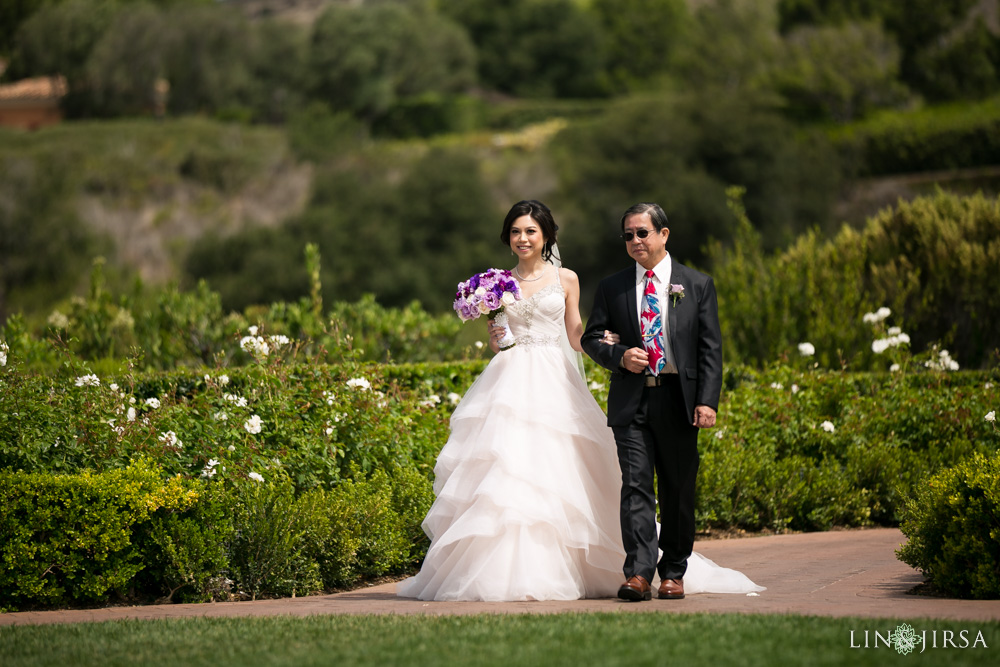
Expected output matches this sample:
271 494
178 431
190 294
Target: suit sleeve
709 349
606 355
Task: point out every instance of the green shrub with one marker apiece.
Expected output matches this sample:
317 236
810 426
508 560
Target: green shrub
932 139
931 261
267 554
952 524
68 538
809 450
184 550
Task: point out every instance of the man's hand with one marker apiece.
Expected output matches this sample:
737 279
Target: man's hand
635 360
704 416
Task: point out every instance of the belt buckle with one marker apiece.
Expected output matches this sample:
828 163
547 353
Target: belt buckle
652 380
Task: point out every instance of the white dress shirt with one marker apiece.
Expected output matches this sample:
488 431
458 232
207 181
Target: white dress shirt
661 278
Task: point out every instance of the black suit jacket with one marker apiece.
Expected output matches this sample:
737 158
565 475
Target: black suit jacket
695 338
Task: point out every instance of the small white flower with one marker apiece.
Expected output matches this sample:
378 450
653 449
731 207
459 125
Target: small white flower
113 387
991 416
795 388
359 383
208 472
131 400
279 340
988 385
256 476
827 426
719 433
453 398
881 345
170 439
252 330
88 381
508 298
223 380
220 416
329 430
894 331
596 386
479 344
431 401
255 345
153 403
231 448
894 368
777 385
57 320
208 378
253 425
807 349
131 414
238 400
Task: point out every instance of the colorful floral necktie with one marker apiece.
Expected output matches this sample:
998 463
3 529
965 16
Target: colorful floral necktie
652 326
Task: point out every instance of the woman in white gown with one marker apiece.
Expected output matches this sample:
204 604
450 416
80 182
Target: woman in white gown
527 485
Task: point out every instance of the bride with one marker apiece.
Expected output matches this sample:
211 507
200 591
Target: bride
527 485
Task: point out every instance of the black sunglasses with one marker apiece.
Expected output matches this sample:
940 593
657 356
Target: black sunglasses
641 233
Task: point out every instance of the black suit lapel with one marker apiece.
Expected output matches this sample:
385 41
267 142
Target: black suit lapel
632 306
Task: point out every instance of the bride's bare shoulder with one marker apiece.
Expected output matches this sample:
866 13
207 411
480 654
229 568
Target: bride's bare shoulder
568 276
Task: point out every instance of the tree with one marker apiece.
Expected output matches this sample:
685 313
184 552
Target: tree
683 152
44 247
839 72
58 40
641 38
365 59
733 45
533 48
125 63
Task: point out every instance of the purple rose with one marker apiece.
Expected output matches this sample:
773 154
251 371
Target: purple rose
492 300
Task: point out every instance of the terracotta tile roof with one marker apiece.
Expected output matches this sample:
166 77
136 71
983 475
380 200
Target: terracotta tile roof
40 88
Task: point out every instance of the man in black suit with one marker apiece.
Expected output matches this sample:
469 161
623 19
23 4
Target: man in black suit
656 413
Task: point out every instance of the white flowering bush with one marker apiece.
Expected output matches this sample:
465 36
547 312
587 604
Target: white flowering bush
811 450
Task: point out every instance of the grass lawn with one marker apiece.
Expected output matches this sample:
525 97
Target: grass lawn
558 639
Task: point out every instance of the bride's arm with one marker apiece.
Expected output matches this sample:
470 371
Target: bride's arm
574 323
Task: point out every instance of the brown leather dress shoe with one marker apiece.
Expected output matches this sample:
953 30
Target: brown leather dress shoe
671 589
636 589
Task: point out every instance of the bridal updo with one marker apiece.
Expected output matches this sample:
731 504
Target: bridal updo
541 214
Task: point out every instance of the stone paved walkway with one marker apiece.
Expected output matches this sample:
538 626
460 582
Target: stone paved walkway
839 573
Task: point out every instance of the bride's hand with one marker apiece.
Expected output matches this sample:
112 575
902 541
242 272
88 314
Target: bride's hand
496 333
610 338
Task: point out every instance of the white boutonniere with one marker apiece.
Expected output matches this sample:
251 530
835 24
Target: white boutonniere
677 292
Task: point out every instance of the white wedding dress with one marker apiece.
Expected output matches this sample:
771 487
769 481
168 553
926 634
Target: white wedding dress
527 486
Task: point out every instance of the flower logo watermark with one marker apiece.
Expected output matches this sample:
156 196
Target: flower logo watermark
904 638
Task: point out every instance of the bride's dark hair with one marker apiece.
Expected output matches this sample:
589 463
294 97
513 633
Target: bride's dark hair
541 214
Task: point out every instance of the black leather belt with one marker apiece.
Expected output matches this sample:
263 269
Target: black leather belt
656 380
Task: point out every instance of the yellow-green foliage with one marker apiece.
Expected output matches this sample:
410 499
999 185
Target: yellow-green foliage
69 537
953 526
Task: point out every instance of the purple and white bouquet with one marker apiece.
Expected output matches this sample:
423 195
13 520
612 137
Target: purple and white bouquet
488 293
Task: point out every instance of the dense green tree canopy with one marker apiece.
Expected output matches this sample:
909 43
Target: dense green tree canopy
365 59
533 48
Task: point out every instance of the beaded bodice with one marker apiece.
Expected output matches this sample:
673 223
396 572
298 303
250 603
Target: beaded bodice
539 319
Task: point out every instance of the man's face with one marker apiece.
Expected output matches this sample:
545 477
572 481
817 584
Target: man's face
646 251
